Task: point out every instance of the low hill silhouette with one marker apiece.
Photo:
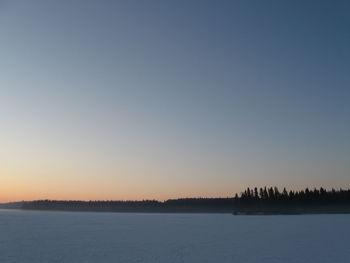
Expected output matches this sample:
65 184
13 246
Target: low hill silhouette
266 200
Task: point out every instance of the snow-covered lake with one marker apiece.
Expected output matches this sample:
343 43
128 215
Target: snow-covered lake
30 236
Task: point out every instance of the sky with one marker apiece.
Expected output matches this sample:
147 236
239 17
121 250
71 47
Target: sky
163 99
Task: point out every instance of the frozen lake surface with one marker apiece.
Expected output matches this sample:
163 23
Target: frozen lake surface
33 236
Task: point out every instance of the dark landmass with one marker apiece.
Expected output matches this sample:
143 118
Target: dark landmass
292 210
270 201
200 205
263 201
13 205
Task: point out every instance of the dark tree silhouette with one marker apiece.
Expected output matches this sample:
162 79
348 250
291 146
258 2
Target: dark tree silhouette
252 199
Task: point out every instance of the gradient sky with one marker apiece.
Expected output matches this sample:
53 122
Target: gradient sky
163 99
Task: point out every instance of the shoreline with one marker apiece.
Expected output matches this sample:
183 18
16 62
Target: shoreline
198 211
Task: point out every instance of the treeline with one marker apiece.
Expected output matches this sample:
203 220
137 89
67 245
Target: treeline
251 201
309 201
273 195
72 205
220 205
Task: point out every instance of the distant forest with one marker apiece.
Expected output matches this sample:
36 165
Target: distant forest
272 195
273 201
266 200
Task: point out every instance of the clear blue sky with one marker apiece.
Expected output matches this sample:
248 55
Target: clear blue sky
161 99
